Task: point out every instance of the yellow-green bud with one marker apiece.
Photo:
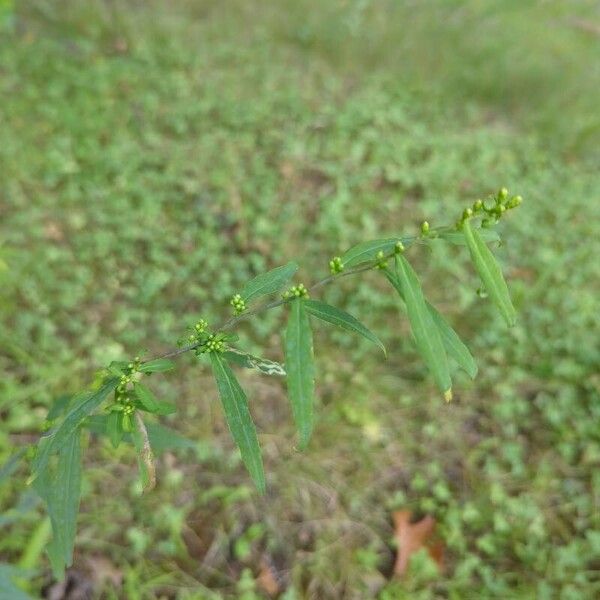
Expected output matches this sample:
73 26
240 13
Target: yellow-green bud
424 228
514 201
399 247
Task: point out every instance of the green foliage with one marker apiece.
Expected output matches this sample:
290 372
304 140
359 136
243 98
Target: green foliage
490 273
235 407
84 405
340 318
145 175
268 283
426 333
59 486
300 369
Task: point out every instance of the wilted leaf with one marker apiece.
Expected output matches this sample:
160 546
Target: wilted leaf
490 273
268 283
239 420
412 537
267 579
145 456
248 361
300 369
335 316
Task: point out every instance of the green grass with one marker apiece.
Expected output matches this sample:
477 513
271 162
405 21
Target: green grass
152 160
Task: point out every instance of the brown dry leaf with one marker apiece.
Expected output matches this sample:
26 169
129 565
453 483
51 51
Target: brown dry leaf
267 579
412 537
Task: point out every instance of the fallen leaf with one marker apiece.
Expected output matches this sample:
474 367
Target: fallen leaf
412 537
267 579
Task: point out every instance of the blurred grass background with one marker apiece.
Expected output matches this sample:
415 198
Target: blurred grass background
154 157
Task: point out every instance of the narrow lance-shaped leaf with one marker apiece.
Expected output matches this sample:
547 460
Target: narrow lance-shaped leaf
157 366
87 403
455 347
268 283
457 238
489 272
114 429
299 365
425 331
366 251
161 438
239 420
60 488
336 316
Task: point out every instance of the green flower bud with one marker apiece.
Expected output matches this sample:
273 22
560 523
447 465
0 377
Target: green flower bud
502 193
477 205
514 202
399 247
424 228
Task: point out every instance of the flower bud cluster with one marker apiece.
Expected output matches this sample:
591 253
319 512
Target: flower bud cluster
123 399
197 331
381 262
336 265
239 306
501 202
296 291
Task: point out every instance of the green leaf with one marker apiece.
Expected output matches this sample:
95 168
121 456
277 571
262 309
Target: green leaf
59 407
268 283
456 237
165 408
335 316
161 438
146 397
451 340
114 430
8 589
425 331
156 366
300 369
59 487
239 420
11 465
453 344
85 404
248 361
490 273
367 251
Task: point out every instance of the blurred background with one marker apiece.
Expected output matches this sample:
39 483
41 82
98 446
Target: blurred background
155 156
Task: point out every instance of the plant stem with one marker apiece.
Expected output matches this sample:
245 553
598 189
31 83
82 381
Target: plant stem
233 321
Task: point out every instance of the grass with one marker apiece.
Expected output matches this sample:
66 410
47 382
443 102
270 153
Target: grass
152 160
